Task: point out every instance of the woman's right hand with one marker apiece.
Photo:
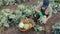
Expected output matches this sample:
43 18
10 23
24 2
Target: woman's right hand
37 11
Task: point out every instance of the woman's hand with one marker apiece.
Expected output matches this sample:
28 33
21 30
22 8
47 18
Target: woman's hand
37 11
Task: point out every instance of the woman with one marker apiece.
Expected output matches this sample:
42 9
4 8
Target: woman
46 9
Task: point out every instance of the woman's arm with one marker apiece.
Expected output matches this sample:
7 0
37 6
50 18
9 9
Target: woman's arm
49 11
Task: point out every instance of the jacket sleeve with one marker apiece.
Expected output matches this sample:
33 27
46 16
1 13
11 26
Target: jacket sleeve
49 11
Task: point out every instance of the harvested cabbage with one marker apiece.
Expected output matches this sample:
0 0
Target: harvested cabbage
26 26
21 25
43 19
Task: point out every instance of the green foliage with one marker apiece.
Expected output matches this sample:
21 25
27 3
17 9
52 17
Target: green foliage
1 3
26 26
26 10
41 28
21 1
18 1
37 27
43 19
10 17
3 20
30 10
19 14
4 17
16 17
56 26
9 2
21 7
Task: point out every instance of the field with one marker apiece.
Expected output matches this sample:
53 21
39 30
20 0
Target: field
48 28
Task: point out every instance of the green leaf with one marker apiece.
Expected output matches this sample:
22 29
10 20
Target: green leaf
22 7
26 26
19 1
0 24
18 12
43 19
36 27
1 15
1 3
6 10
6 25
12 16
40 28
23 16
3 19
9 2
28 11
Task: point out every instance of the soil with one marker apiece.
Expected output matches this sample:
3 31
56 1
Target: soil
48 28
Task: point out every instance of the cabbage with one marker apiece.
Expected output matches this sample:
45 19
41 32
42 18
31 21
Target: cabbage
26 26
26 10
21 25
43 19
29 12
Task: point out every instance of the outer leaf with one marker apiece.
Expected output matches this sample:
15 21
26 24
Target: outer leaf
12 16
40 28
26 26
0 24
22 7
1 3
11 2
6 24
18 1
